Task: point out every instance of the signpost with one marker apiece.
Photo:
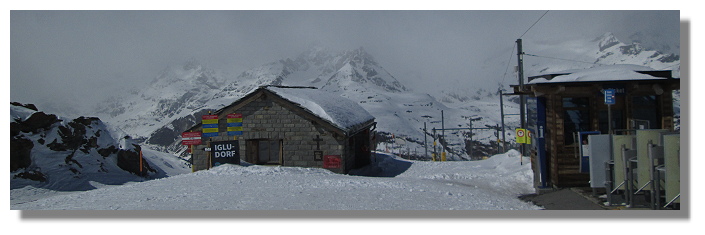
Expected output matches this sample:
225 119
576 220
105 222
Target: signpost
609 101
528 136
234 124
609 96
521 136
210 125
224 152
191 138
521 139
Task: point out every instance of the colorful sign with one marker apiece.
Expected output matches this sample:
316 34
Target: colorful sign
191 138
521 136
223 152
332 161
210 125
234 124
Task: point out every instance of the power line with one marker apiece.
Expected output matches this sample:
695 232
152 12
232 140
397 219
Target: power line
511 54
522 35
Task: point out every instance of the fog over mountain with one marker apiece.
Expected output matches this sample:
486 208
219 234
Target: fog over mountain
67 61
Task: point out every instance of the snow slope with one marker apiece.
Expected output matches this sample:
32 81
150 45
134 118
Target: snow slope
76 155
491 184
554 57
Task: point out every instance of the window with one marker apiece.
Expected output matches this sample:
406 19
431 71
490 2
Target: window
645 112
576 117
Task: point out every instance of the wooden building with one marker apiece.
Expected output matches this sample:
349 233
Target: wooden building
288 126
562 106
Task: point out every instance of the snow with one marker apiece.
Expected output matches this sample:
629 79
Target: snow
603 73
87 168
18 113
340 111
491 184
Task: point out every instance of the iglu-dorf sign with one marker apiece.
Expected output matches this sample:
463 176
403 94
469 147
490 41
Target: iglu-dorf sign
225 152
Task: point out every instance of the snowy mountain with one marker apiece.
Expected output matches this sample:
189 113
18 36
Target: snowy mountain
554 57
167 103
177 97
52 152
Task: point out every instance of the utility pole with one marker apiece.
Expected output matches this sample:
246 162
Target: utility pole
443 126
471 145
443 137
496 134
425 147
434 145
501 109
520 70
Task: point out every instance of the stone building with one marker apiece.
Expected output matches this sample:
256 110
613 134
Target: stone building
288 126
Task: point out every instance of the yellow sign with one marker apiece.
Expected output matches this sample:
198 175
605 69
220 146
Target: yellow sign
528 137
234 120
210 121
210 130
235 128
521 136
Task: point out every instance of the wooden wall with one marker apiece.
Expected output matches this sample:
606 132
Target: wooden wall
564 163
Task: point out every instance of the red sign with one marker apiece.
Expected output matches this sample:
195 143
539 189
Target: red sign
332 161
207 117
234 115
191 138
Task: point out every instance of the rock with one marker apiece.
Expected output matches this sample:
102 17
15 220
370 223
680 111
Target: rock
29 106
129 160
36 123
20 153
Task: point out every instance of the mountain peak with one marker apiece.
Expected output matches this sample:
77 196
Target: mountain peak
607 40
192 64
359 55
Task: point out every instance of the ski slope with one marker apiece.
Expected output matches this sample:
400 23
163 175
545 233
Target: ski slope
491 184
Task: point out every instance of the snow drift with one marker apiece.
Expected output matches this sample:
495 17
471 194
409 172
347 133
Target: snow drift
491 184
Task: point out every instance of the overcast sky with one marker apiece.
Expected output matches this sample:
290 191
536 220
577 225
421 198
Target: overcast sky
81 56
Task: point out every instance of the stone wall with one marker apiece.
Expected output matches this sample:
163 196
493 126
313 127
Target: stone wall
264 119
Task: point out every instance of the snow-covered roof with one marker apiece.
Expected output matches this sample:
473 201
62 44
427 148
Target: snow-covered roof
620 72
338 110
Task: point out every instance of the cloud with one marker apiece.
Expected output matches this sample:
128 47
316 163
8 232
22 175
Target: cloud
81 56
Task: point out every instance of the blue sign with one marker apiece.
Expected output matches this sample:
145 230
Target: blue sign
609 96
211 134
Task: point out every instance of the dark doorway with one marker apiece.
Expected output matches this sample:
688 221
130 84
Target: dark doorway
265 152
